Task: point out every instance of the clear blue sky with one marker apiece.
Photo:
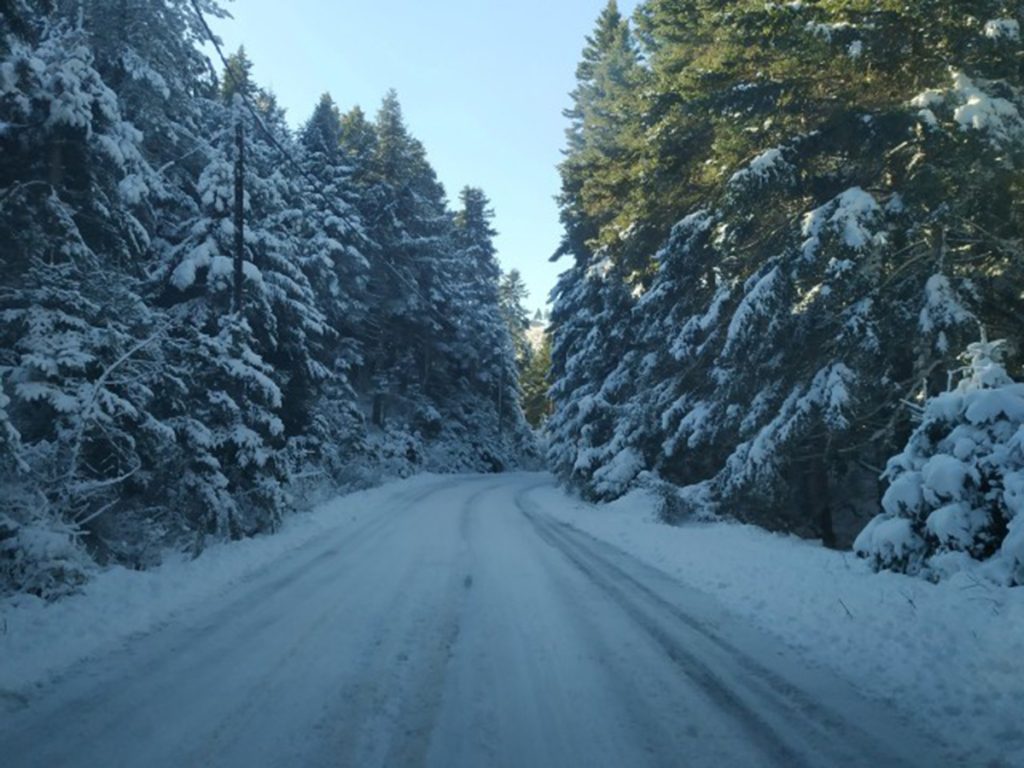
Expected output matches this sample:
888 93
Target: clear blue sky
482 83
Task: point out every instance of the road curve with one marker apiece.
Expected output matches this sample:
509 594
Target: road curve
461 625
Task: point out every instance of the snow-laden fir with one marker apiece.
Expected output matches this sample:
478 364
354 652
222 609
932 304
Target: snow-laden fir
777 244
140 410
784 224
956 493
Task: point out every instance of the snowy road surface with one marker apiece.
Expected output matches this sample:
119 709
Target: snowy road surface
459 625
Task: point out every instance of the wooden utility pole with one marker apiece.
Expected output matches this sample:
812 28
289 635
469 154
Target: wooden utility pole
239 209
501 399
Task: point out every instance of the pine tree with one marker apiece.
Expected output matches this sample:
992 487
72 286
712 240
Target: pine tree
512 293
955 491
410 230
235 433
76 354
818 198
322 132
536 383
485 354
237 79
358 140
592 300
600 140
142 404
328 426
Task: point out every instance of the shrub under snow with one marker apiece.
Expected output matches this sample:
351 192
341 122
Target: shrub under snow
956 493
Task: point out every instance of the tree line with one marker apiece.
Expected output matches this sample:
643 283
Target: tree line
206 315
784 223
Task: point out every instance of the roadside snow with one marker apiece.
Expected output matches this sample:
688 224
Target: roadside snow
39 639
949 654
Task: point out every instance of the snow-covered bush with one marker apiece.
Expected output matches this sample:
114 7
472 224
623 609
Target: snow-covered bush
675 505
956 493
39 554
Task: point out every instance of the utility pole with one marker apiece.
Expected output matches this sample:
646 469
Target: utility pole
501 400
239 204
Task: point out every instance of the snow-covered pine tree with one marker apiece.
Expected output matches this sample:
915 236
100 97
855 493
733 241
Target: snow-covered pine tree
331 240
536 381
955 499
820 226
593 299
409 222
482 390
865 271
78 343
512 292
591 331
148 51
680 328
242 372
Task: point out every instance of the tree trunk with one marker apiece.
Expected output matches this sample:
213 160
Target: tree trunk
819 500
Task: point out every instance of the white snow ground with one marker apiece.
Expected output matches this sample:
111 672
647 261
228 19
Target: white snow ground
492 620
950 655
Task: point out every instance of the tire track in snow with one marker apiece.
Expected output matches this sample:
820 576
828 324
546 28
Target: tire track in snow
393 709
548 674
791 727
95 697
458 625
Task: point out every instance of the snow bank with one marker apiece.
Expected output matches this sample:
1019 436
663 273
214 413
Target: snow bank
39 639
947 654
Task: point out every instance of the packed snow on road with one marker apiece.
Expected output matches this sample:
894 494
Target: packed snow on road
492 620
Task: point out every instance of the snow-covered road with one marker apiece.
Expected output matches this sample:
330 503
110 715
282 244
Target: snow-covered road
461 624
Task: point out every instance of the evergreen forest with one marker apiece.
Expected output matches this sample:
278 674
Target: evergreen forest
792 285
208 319
785 223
